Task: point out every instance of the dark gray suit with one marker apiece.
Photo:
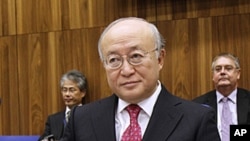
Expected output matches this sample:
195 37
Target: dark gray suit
243 103
54 125
173 119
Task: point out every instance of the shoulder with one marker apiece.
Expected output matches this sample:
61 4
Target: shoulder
192 105
57 115
196 107
202 98
243 93
97 106
184 106
196 112
101 103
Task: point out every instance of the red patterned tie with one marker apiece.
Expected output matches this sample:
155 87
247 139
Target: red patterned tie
133 132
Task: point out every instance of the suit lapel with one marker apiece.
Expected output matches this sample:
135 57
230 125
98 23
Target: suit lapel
104 119
164 118
59 125
242 103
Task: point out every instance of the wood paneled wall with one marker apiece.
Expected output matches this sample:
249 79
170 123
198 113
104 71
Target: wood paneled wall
42 39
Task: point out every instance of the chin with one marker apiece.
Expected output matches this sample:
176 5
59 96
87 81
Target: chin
67 104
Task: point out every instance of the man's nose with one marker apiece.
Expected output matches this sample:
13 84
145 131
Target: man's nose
126 68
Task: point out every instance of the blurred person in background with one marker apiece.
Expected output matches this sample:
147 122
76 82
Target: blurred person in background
226 74
73 86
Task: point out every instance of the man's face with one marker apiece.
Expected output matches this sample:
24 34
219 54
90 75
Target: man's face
225 73
72 95
132 83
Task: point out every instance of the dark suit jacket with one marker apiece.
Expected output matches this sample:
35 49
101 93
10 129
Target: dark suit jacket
173 119
243 103
54 125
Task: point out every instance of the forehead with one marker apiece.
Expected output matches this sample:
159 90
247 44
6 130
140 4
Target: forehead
129 33
69 83
224 61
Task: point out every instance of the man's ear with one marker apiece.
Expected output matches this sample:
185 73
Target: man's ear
162 54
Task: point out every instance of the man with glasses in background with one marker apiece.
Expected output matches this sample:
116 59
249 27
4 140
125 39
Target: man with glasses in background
73 86
231 103
132 52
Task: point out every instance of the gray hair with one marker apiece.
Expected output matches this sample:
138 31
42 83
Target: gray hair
227 55
159 40
77 77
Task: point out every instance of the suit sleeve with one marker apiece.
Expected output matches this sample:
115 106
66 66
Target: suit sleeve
47 130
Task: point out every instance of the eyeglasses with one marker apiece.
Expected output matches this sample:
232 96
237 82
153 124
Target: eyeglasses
136 57
227 68
64 90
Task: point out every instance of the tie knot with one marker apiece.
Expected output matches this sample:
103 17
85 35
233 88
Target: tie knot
225 99
68 113
133 110
67 116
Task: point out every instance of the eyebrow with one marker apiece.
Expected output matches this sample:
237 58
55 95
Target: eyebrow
225 65
69 87
130 49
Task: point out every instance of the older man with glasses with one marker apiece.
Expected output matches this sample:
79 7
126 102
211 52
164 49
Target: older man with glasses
140 108
231 103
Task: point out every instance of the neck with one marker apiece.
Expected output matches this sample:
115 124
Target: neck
226 90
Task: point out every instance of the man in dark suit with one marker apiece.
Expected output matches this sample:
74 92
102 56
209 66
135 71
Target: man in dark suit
73 89
132 52
226 73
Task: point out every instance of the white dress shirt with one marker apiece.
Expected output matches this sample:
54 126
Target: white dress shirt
122 119
68 109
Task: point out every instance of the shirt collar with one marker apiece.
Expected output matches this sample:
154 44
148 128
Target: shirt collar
231 96
146 104
67 109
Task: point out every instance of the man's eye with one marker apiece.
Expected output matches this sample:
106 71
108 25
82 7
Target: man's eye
72 90
114 60
64 90
136 56
218 69
228 68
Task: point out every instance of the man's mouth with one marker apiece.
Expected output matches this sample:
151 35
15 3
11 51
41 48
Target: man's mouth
129 83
